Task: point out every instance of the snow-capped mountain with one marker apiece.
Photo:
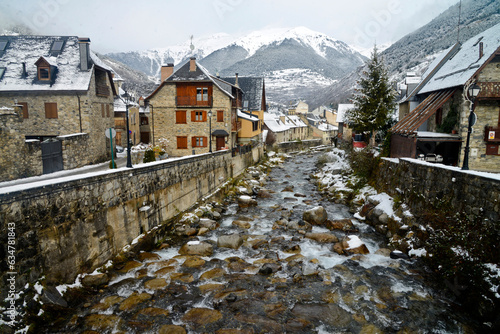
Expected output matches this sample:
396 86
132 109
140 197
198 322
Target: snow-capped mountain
300 58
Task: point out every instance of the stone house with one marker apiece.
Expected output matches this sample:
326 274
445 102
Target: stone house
66 95
182 103
251 114
134 119
298 107
276 128
344 132
435 114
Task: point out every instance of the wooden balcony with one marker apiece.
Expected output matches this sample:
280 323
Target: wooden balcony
120 123
235 126
102 90
489 90
192 101
237 103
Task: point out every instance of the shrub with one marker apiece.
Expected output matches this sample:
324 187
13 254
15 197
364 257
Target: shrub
149 155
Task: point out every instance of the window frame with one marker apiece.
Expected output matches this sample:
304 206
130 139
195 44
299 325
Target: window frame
202 94
199 141
220 115
198 116
43 69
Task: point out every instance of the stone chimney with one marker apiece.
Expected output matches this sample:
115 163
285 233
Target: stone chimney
236 80
84 43
192 64
481 50
166 71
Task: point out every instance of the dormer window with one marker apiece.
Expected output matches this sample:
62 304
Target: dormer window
45 72
56 48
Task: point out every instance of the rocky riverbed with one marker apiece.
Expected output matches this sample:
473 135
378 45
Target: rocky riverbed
275 257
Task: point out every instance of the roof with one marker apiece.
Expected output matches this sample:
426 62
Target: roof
342 109
461 66
253 89
274 123
297 121
29 49
413 120
222 133
200 74
247 116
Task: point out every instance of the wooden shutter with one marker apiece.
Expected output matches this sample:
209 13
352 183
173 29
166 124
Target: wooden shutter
182 142
25 109
193 115
103 114
180 116
193 141
220 115
205 141
107 110
204 115
50 110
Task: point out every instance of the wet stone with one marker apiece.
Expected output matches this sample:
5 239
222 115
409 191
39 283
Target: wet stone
134 300
152 312
107 302
196 248
164 271
102 322
193 262
202 316
171 329
156 283
145 256
213 274
182 277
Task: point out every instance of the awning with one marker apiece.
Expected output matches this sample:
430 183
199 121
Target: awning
411 122
220 133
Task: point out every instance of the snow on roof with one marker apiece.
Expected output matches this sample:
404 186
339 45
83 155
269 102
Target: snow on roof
29 49
343 108
247 116
327 127
274 123
428 134
297 121
458 69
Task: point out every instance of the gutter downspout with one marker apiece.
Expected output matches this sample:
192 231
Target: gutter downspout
79 112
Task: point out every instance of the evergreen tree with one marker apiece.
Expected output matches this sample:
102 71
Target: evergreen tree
374 100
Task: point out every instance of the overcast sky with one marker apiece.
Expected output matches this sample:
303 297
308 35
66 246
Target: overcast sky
125 25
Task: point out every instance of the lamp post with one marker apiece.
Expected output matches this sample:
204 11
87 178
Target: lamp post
129 158
210 131
472 92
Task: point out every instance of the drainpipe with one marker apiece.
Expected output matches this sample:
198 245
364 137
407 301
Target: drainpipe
80 112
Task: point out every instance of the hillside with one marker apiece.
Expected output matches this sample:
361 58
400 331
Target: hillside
415 51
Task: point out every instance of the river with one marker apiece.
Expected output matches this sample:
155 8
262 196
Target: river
282 276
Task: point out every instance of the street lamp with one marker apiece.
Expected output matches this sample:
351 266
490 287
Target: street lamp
153 121
472 92
126 101
210 130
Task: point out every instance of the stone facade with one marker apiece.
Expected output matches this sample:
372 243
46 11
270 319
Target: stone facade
165 126
67 228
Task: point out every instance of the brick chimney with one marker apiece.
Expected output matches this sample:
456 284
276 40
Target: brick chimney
84 43
192 64
166 71
236 80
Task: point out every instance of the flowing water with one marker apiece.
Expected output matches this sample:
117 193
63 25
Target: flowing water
277 281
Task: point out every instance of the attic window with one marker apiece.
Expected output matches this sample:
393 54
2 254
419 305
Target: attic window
43 73
56 48
2 71
3 46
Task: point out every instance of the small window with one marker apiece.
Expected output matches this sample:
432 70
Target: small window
102 110
198 116
50 110
43 73
56 48
255 126
220 115
202 94
199 142
25 109
180 117
144 120
182 143
3 45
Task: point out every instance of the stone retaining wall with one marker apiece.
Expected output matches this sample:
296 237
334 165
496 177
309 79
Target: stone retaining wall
424 187
71 227
293 146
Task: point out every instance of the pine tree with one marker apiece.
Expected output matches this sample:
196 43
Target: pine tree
374 101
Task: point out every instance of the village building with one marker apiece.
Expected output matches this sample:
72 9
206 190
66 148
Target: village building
298 107
194 111
65 93
344 132
435 114
251 115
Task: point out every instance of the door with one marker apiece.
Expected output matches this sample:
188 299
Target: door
52 156
220 143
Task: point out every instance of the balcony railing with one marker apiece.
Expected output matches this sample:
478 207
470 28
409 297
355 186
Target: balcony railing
120 123
489 90
192 101
235 126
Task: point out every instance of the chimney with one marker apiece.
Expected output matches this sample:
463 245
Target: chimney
236 80
192 64
166 71
24 74
84 42
481 51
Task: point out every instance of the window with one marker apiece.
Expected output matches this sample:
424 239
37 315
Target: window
56 48
220 115
25 109
198 116
180 117
202 94
255 126
144 120
50 110
43 73
182 142
199 141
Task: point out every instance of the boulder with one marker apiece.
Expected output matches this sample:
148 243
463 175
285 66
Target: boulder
95 280
315 216
201 316
398 255
196 248
246 201
242 224
353 245
322 237
230 241
345 225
